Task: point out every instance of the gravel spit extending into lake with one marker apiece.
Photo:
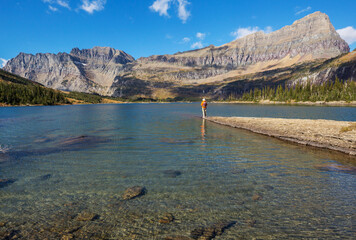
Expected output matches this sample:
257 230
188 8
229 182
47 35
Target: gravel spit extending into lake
330 134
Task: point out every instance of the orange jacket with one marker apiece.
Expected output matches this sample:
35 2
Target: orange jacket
204 104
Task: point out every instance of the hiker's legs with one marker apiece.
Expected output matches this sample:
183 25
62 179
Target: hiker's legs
204 112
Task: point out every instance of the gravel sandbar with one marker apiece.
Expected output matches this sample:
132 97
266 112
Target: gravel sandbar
330 134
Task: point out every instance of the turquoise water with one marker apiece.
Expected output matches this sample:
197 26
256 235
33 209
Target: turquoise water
67 160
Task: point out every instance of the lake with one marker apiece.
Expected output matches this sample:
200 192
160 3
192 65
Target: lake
66 162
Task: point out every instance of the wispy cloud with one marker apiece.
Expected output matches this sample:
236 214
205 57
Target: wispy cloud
183 13
3 62
61 3
242 32
200 35
92 6
53 9
303 10
186 40
348 34
197 45
162 7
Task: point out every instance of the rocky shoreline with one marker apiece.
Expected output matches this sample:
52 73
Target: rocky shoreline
334 135
317 103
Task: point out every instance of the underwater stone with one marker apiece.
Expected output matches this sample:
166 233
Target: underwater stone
336 168
172 173
67 237
134 192
251 222
207 233
257 197
10 234
177 238
45 177
166 218
6 181
268 187
87 216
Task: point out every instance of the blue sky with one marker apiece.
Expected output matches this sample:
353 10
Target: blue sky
147 27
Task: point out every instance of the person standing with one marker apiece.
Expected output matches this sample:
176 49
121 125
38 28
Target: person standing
204 105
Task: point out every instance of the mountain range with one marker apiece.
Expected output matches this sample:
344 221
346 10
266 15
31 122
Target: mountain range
307 50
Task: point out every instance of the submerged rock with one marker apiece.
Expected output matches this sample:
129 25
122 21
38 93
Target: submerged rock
44 177
166 218
257 197
268 187
6 181
177 238
134 192
67 237
172 173
251 222
336 168
207 233
80 142
86 216
10 234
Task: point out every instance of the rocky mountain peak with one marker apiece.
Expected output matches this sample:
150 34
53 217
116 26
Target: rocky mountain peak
102 54
109 71
311 37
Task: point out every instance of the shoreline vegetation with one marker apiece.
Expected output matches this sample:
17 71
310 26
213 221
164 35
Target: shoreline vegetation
328 134
19 91
327 92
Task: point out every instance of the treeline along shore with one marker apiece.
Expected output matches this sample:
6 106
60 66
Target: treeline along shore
334 135
328 91
17 91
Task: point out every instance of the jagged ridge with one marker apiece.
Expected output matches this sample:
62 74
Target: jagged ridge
108 71
87 70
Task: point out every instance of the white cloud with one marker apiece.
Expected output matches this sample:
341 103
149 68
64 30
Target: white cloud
161 6
169 36
3 62
303 10
53 9
348 34
63 3
183 13
186 39
200 35
242 32
91 6
197 45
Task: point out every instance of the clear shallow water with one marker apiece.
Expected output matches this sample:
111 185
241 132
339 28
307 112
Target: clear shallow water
127 145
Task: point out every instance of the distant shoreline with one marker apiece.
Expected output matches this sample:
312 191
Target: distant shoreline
329 134
264 102
318 103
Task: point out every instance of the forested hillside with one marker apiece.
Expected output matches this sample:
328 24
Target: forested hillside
15 90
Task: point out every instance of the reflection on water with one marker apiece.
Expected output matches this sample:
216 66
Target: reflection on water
65 175
203 127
